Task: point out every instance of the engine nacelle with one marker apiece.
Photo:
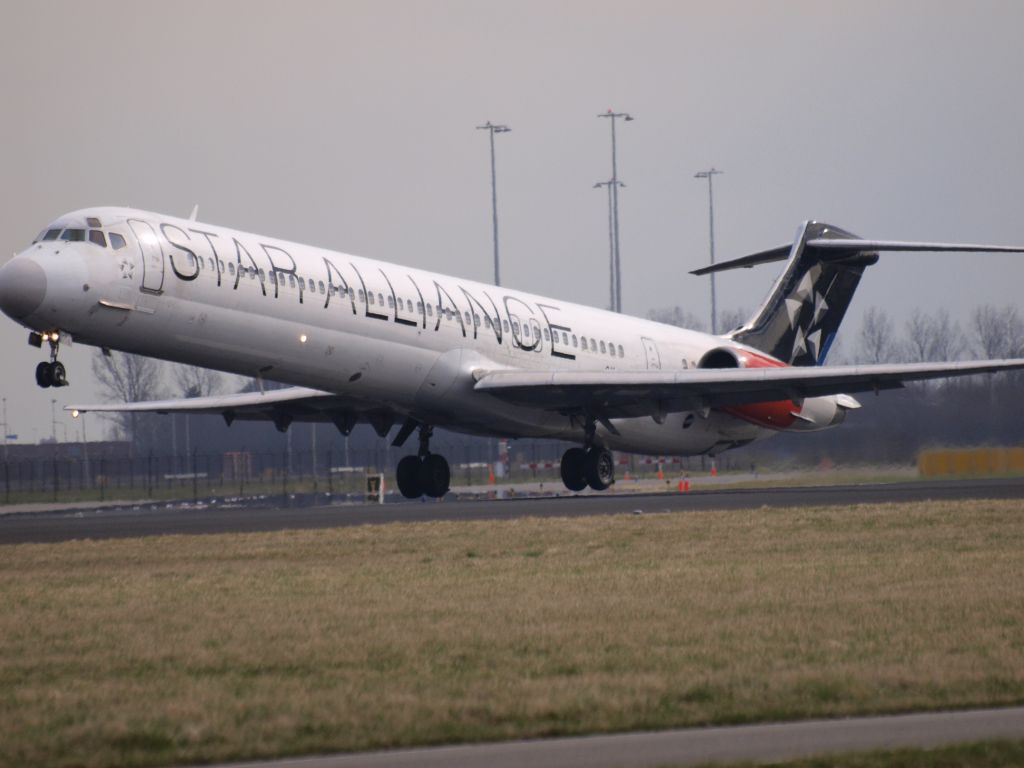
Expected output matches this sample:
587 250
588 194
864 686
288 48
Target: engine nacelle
801 414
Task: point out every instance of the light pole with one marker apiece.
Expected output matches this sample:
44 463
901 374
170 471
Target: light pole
6 429
493 129
611 241
53 418
709 175
614 186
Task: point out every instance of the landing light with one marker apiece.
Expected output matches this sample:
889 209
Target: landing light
75 413
303 338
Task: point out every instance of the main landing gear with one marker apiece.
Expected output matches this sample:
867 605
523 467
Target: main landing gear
590 465
49 374
426 474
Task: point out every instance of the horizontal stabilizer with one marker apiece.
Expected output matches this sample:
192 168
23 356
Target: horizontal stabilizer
836 248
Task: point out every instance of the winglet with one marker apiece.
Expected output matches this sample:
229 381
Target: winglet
195 212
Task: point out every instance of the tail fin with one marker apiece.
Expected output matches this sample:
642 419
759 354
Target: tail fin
798 321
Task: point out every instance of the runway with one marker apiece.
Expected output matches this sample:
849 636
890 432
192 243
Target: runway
157 520
697 746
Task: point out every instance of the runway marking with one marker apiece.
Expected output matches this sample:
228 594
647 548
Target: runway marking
694 746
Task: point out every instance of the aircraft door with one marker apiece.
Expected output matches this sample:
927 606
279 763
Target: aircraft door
152 255
651 353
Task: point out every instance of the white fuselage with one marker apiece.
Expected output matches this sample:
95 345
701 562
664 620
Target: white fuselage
381 335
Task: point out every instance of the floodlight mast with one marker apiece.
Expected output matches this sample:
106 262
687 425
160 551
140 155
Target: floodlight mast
614 187
493 129
709 175
611 242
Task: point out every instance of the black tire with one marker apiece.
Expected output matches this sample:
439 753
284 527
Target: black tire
44 375
435 476
407 475
600 468
574 469
59 375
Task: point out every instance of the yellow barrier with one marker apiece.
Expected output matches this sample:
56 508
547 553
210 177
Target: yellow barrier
970 461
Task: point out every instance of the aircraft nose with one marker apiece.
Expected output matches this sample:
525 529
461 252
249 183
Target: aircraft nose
22 287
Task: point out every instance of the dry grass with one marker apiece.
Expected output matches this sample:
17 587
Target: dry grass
179 649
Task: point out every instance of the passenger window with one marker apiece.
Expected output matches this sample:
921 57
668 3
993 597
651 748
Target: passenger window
487 321
468 321
116 241
73 235
526 330
547 337
320 284
593 346
574 340
263 275
505 325
391 302
604 349
430 310
565 338
362 296
231 268
583 343
53 234
371 298
476 320
621 353
419 306
515 327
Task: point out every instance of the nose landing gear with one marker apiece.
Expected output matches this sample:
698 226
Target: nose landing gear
424 474
52 373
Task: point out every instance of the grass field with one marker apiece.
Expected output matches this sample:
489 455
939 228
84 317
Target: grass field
187 649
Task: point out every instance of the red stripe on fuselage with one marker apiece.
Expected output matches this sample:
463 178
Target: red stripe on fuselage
774 415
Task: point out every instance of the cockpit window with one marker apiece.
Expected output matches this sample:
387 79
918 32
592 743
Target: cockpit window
51 234
92 221
73 235
116 241
97 238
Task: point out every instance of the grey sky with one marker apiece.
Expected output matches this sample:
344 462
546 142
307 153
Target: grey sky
351 125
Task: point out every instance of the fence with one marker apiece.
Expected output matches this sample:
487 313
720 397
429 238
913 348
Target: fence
252 473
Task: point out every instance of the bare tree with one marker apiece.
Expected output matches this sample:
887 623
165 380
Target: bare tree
194 381
676 316
877 342
127 379
998 331
731 319
932 337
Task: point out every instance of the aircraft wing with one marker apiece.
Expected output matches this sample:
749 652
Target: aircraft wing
253 403
282 406
619 394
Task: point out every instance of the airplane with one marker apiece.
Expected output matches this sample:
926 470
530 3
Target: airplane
358 340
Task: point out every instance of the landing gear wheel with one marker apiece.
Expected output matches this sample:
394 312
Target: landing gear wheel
599 468
407 474
573 469
44 375
435 475
58 374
